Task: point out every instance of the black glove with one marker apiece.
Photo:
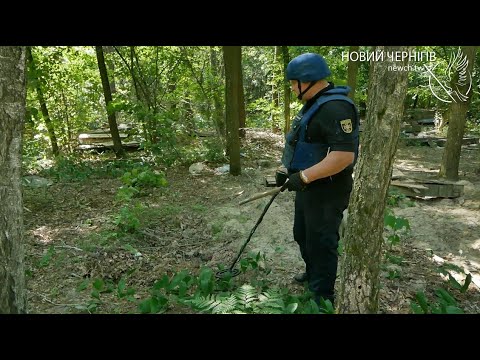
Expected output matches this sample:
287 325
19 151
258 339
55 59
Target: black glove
280 177
295 183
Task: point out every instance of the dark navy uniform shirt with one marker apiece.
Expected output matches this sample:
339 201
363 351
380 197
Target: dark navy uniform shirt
326 124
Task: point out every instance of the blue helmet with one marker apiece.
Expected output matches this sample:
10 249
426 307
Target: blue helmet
308 67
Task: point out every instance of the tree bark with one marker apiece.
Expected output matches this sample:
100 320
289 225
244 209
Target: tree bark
352 73
232 57
457 115
286 90
275 88
218 115
13 298
111 67
43 104
363 240
112 121
241 101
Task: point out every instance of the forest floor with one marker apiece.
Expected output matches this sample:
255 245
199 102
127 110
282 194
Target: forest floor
71 238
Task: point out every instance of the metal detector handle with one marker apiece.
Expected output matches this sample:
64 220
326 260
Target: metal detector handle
263 194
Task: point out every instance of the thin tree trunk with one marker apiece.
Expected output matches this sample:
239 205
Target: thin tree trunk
111 68
43 104
275 89
286 90
241 101
457 115
112 121
13 298
352 73
232 57
363 240
67 123
218 114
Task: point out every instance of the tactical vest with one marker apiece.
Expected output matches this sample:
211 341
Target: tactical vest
299 154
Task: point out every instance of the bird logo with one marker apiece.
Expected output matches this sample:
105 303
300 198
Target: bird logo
458 90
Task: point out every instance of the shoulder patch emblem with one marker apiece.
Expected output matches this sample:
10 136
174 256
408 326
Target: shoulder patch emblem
346 125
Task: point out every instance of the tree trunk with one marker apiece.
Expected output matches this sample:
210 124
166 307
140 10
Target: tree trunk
457 115
352 73
363 240
112 121
111 68
232 57
286 90
67 123
43 104
13 298
241 101
219 118
275 88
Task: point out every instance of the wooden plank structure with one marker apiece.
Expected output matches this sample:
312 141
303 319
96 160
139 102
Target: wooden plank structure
437 141
109 146
96 138
428 187
101 140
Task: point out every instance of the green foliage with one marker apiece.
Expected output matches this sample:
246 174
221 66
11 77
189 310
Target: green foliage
144 178
124 292
397 226
396 198
45 260
127 220
153 305
100 286
397 260
393 274
242 301
252 260
74 168
444 303
206 293
444 270
215 151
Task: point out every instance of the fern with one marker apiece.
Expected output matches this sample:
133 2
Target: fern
226 306
245 300
270 303
246 296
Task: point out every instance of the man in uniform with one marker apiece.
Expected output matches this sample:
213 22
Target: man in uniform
320 152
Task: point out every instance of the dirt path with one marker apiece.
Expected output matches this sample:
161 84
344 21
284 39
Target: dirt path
198 222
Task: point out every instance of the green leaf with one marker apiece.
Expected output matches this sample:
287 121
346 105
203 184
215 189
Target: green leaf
445 296
394 239
290 309
455 284
121 286
467 282
416 308
206 281
149 306
98 284
389 220
243 265
422 300
177 279
182 289
401 223
453 310
83 285
95 294
162 283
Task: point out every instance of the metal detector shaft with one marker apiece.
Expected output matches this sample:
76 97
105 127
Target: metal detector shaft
261 195
258 223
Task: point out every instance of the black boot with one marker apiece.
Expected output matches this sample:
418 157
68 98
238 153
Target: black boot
301 278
